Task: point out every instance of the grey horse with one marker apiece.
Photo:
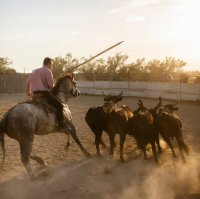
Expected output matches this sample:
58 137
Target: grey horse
26 119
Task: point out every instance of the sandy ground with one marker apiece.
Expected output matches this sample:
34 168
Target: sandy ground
71 175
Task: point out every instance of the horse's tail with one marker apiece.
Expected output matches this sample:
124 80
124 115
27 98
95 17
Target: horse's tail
2 142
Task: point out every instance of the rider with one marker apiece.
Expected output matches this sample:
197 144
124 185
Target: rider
40 82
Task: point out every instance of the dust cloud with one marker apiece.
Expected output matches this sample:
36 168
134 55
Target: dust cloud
102 178
170 180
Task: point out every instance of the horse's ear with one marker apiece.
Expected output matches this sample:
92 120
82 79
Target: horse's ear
60 76
72 75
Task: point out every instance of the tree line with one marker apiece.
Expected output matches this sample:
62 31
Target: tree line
115 68
5 66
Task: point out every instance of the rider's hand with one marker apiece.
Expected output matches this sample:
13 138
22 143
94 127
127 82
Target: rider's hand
29 93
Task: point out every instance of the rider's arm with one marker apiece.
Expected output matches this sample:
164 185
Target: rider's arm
28 86
49 78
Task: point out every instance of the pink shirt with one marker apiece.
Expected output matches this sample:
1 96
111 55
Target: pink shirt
41 79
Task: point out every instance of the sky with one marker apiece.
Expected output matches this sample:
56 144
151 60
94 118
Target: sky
152 29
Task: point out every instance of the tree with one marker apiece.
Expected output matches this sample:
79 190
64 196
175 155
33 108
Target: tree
163 70
115 64
116 68
62 65
5 66
137 70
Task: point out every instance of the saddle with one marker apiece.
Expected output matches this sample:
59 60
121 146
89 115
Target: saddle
50 104
40 100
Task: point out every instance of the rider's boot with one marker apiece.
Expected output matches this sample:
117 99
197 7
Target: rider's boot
61 124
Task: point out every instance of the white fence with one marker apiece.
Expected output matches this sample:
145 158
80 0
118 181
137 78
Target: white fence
180 91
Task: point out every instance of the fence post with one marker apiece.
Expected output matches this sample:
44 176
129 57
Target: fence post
129 78
94 83
199 93
162 85
111 79
180 87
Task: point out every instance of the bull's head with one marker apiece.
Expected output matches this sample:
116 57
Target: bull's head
113 99
111 102
141 105
159 104
169 108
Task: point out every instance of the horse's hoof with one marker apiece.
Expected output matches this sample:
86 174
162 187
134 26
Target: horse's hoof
99 155
33 178
42 174
183 160
175 157
44 165
160 151
88 155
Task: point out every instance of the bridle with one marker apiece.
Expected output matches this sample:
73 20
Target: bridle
64 91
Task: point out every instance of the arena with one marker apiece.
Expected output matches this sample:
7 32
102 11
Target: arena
71 175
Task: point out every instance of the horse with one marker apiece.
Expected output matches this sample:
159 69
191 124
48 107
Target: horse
36 117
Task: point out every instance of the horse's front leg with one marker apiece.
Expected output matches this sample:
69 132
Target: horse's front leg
72 132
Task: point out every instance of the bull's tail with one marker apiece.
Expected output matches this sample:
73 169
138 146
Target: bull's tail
2 143
185 147
182 144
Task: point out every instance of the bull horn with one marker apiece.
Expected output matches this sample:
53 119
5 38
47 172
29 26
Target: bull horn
175 103
104 93
171 105
159 103
121 93
140 103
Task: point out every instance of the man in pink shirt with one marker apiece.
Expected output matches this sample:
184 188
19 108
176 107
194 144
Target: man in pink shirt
41 82
41 79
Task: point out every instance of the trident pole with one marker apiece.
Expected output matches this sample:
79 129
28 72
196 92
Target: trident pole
97 55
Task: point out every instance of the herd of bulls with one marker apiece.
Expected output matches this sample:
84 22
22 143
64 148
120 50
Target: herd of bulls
144 124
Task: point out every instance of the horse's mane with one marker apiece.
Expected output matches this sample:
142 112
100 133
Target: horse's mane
60 79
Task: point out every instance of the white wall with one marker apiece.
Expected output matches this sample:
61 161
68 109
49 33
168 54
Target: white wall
181 91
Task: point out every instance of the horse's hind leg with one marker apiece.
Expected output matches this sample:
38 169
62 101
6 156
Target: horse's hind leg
26 148
72 131
68 142
39 160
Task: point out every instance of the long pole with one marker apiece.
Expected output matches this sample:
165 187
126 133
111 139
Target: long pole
97 55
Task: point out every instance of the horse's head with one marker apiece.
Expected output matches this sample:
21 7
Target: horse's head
66 87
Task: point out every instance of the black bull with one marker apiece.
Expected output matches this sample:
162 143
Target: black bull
121 120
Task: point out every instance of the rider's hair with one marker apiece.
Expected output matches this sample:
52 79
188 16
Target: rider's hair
47 61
